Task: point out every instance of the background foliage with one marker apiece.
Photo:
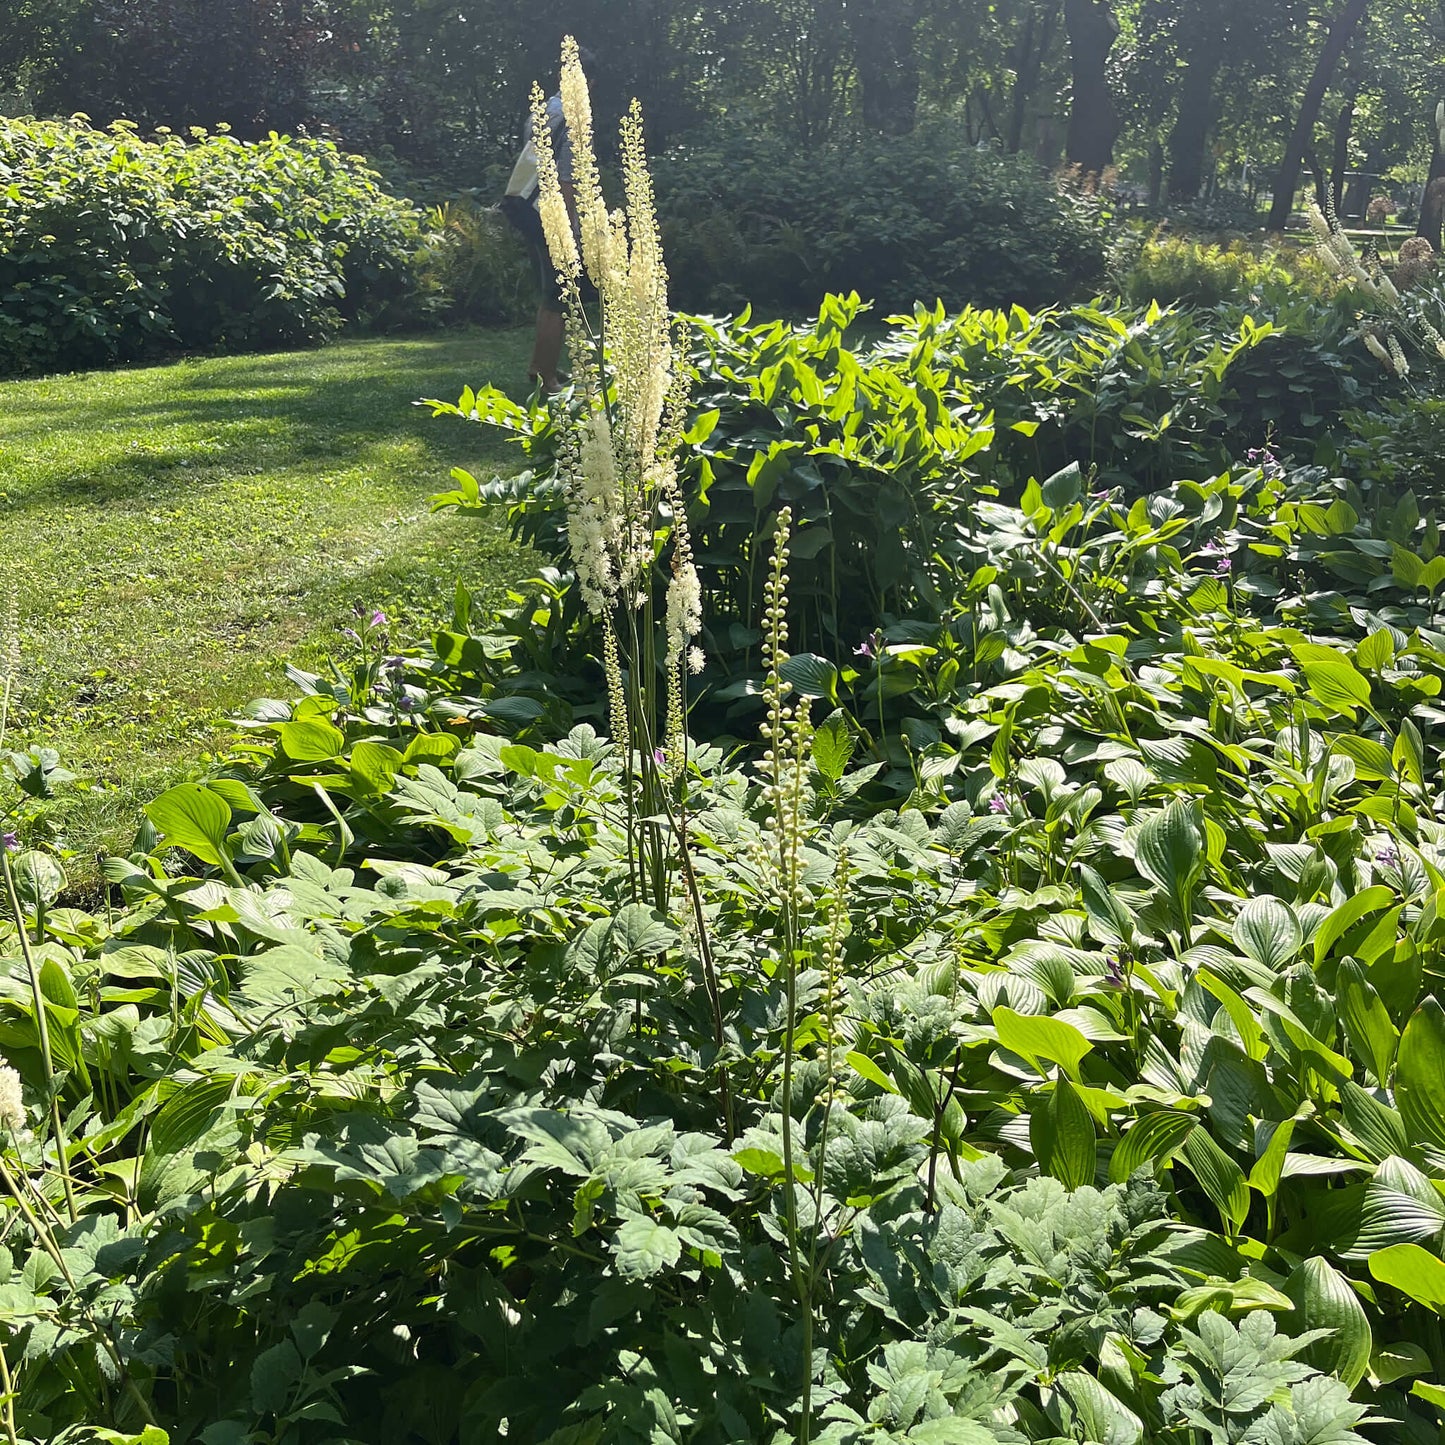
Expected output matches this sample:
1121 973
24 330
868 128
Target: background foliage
117 248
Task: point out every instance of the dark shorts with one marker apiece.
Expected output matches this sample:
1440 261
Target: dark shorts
528 224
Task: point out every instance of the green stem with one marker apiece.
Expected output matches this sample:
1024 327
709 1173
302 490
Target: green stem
7 1408
42 1024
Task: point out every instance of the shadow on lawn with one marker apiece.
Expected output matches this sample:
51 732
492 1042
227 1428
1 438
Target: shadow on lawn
201 423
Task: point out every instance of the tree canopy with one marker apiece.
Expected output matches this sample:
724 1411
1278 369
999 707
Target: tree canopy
1182 97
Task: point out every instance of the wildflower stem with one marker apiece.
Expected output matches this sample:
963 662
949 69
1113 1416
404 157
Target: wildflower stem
7 1398
42 1024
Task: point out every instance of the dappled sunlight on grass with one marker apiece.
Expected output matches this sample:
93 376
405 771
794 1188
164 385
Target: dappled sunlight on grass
177 533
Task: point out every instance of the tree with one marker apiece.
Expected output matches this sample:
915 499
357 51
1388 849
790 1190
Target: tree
1301 139
1093 119
883 34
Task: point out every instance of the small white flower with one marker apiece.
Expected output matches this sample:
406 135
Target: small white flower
12 1105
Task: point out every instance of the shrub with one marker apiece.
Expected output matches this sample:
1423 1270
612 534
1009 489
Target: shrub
473 260
114 248
1180 270
917 218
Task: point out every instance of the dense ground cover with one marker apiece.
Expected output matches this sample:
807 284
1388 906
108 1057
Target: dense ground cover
1042 1047
170 533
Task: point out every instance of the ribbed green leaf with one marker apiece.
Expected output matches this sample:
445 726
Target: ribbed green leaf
1061 1132
1036 1036
1153 1140
1219 1177
1342 919
1372 1034
1169 851
1323 1300
1267 931
1420 1075
192 817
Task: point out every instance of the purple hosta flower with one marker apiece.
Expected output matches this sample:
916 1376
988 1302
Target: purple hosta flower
1223 567
394 664
9 842
1387 855
998 804
1212 548
1265 460
378 618
351 634
659 757
407 703
1102 495
1113 973
871 646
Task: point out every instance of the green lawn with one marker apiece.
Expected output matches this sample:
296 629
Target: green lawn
176 534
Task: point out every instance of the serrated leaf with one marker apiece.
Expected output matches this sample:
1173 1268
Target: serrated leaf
643 1248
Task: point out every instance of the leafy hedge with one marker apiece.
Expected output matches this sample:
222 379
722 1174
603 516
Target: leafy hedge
884 446
919 218
115 248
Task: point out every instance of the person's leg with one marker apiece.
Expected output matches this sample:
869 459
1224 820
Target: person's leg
547 349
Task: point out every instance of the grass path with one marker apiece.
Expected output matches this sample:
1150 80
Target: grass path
175 534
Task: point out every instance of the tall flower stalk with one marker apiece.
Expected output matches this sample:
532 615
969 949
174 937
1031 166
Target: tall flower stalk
626 519
788 737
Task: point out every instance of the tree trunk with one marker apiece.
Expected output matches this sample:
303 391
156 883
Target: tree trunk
1093 120
883 53
1287 178
1432 205
1340 157
1195 117
1028 59
1156 170
1357 193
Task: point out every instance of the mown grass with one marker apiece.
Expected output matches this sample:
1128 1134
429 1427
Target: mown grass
177 534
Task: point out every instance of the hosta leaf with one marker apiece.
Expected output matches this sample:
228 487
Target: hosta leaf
1267 931
1339 685
192 817
1372 1034
312 741
1218 1175
643 1248
1376 1126
1420 1075
1398 1362
1413 1271
1061 1131
1153 1140
1324 1300
1105 1418
1036 1036
1110 920
1342 919
1169 851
